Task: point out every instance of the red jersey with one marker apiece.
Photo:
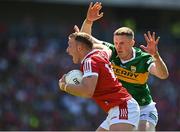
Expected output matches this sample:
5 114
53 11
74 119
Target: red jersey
109 91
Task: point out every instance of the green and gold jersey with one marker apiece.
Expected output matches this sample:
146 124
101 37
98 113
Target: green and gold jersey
133 74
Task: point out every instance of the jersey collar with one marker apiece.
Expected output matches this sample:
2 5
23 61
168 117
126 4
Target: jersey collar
88 54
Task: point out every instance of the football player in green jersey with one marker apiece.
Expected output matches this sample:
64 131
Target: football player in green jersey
131 65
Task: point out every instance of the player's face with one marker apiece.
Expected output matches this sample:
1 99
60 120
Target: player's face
123 46
72 50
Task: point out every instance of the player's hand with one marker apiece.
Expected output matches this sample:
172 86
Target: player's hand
93 12
62 83
76 28
152 43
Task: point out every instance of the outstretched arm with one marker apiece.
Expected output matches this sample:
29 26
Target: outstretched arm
93 14
159 69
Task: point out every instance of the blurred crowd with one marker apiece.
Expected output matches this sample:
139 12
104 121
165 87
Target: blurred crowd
33 58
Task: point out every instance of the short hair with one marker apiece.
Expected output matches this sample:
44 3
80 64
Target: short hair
125 31
84 38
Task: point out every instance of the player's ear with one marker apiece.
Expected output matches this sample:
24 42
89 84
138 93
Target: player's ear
79 47
133 42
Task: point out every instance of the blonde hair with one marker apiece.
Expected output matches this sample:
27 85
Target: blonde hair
125 31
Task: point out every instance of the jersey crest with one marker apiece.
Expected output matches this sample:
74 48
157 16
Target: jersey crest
133 69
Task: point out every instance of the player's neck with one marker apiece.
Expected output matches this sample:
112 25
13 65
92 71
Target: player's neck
84 54
128 56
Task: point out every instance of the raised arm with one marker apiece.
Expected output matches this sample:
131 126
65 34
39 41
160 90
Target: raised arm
159 68
93 14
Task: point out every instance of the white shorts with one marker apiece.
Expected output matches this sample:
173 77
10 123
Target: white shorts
149 113
129 115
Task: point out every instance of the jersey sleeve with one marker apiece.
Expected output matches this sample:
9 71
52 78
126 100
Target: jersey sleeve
90 68
149 62
111 47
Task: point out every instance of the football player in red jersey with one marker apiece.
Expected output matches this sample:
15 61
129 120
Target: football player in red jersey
99 83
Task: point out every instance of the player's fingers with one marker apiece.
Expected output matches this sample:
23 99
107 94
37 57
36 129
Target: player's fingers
63 77
101 15
149 36
61 85
76 28
95 7
146 38
99 7
96 4
143 47
157 40
153 35
90 6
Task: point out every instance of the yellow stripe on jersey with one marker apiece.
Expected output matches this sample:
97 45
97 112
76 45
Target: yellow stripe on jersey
129 76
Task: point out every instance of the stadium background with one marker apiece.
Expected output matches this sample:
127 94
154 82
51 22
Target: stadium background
33 38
